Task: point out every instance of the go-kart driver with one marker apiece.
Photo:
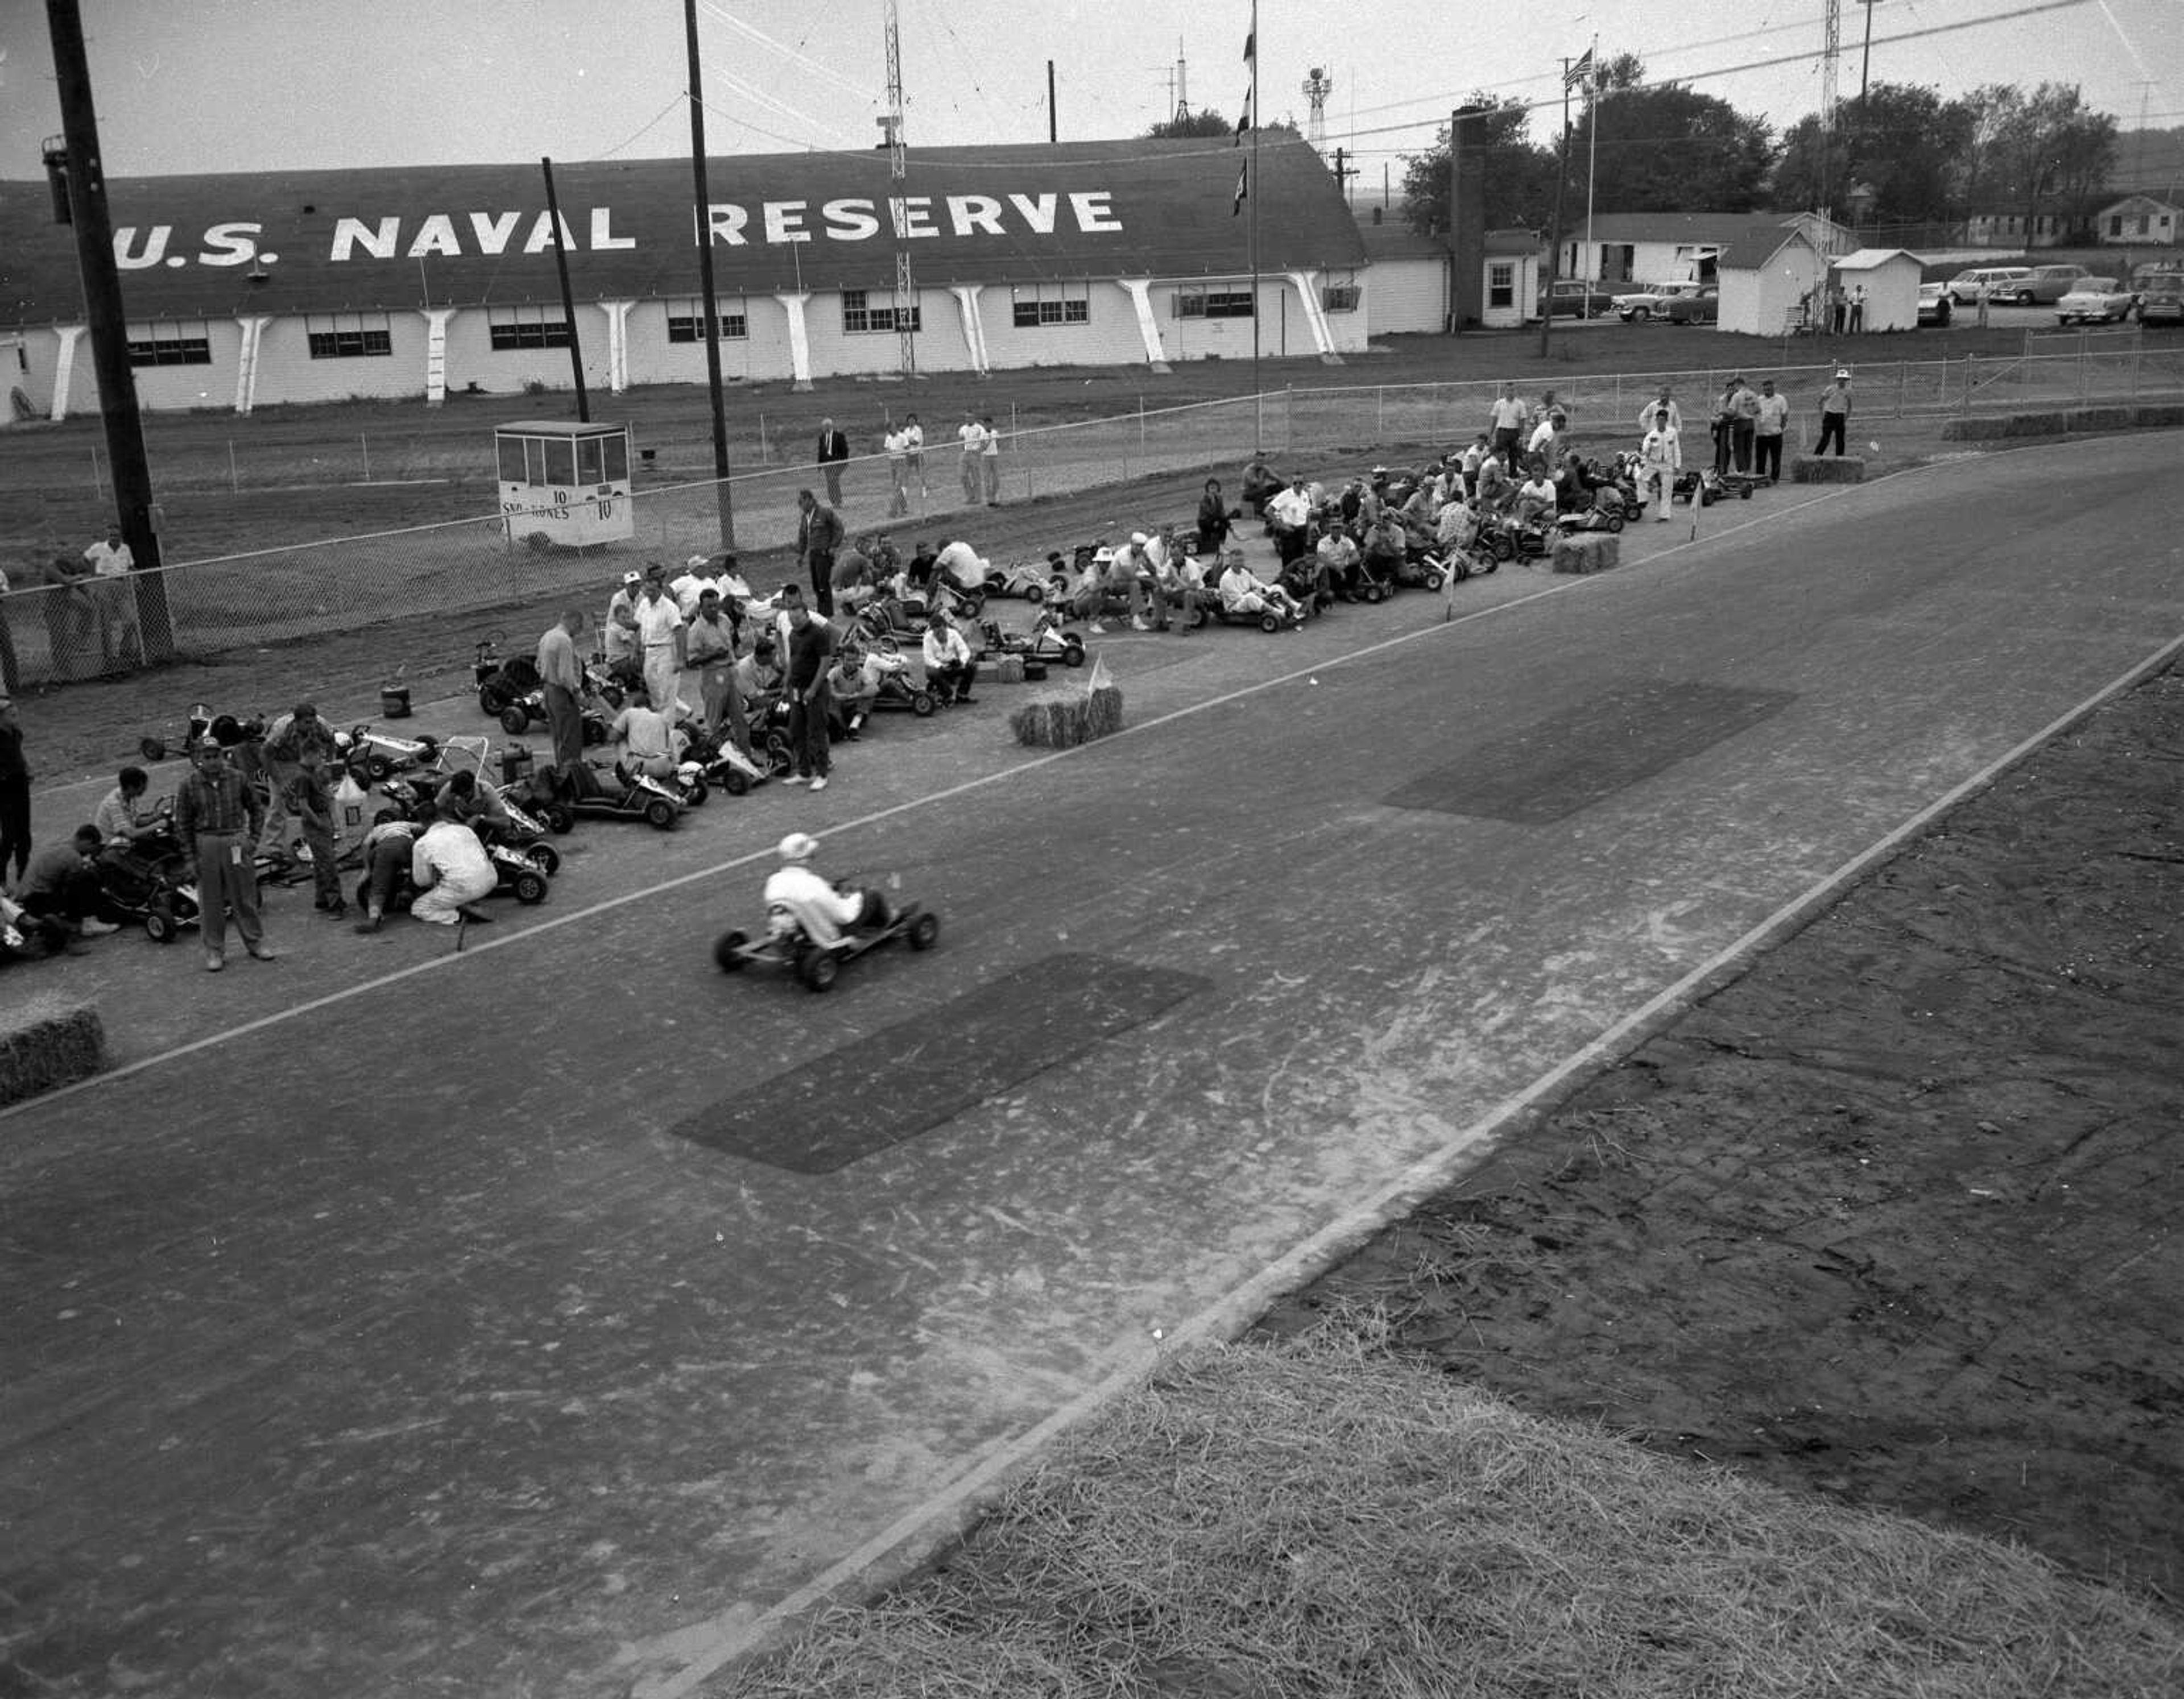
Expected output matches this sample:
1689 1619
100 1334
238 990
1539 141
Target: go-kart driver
824 911
648 745
1244 592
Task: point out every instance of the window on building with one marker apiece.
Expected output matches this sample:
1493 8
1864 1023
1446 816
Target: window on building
1034 305
2115 223
526 327
732 321
171 341
1341 292
1501 284
860 316
2145 223
348 335
1213 303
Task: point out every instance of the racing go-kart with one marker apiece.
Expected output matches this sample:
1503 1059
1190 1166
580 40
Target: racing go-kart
789 947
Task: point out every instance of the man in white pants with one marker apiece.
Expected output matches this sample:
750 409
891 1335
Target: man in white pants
823 912
449 868
1661 458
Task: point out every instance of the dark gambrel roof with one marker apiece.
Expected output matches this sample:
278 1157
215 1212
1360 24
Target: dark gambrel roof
457 236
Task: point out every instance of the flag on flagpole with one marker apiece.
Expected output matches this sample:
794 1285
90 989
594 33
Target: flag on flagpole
1243 122
1237 205
1579 71
1250 46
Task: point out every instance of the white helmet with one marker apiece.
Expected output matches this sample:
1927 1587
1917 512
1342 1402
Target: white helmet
798 846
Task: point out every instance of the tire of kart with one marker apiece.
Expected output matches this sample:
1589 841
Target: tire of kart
529 887
695 796
659 813
560 819
1034 593
378 769
1434 580
923 930
1058 588
1459 569
728 952
546 856
593 733
1270 622
492 697
922 703
1073 648
1615 521
1197 618
159 923
736 782
817 968
1744 493
1375 593
152 748
778 756
516 718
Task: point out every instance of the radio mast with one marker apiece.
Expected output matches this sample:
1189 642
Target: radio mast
1317 88
906 288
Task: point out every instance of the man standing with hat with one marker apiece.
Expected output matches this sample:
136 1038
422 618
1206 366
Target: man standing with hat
1835 413
217 818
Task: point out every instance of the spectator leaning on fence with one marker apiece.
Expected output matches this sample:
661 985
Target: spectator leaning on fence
120 639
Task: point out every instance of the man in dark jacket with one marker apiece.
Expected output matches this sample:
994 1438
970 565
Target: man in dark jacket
833 451
818 535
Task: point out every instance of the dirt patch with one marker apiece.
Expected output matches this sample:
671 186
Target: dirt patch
1893 1216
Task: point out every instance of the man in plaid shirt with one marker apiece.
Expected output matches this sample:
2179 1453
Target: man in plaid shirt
218 817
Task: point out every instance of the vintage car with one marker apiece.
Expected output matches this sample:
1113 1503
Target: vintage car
1935 304
2094 301
1572 297
2161 298
2050 283
1703 306
2003 283
1650 301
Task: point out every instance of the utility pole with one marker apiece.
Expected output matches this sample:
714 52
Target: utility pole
568 302
704 216
108 320
1343 173
1865 60
1555 236
1053 123
906 288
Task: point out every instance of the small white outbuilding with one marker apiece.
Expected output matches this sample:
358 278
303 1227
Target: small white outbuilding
1890 278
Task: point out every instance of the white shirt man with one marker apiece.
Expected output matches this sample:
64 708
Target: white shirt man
617 636
1509 413
1290 507
648 741
962 564
945 651
685 586
1542 439
1536 496
1675 413
659 645
1244 592
820 909
449 868
1660 458
110 558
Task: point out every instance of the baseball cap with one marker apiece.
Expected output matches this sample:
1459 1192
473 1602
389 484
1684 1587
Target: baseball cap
695 561
628 578
1137 539
1842 371
798 846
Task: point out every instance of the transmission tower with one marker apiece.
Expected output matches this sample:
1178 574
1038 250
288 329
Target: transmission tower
1182 86
906 288
1830 54
1317 88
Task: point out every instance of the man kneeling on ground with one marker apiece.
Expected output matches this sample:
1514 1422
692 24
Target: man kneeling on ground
450 867
387 851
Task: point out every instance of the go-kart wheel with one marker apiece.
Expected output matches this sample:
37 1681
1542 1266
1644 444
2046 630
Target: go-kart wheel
778 756
1459 569
159 923
378 768
547 858
1501 546
492 697
594 731
1058 588
736 782
1073 648
1375 593
659 813
1270 621
922 703
1195 619
1615 521
1434 580
515 717
1035 592
817 968
530 886
1744 493
559 818
152 748
923 930
996 584
729 952
974 602
696 792
1493 564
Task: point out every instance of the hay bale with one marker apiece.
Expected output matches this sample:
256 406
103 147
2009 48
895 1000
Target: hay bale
1063 720
2157 415
1827 469
1588 551
48 1040
1009 670
2117 418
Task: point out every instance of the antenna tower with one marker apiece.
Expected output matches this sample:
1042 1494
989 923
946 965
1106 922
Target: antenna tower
1317 88
1182 86
906 288
1830 55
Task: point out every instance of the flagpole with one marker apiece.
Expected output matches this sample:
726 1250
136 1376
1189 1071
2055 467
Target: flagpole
1554 235
1591 161
1258 406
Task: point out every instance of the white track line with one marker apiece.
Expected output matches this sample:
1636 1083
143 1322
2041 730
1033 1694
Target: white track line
947 1511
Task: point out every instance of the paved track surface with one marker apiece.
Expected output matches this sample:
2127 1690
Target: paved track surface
395 1334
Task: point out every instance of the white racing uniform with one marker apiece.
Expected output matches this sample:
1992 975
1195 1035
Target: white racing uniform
449 868
820 909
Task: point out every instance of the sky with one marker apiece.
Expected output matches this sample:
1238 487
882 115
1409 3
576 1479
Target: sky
208 86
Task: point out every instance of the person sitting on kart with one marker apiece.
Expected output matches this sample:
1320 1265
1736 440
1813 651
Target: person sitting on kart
1110 588
854 581
476 805
387 850
452 873
1493 491
1242 591
1535 497
1336 565
924 562
821 909
1387 545
125 819
645 741
758 679
852 687
961 564
948 668
1457 528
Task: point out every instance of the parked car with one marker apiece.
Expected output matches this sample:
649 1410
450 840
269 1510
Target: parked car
2094 301
1574 297
1703 306
2050 283
2003 283
1651 300
2161 298
1935 303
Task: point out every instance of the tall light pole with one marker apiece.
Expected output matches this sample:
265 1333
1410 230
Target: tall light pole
1865 59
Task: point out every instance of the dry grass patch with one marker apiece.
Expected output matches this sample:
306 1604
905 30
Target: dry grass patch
1315 1519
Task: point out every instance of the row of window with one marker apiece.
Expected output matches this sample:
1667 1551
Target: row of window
363 335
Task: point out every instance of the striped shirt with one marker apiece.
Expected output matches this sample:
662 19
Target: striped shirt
216 804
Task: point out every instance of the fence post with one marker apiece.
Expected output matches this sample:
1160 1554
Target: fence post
234 484
762 454
1016 435
1903 382
364 442
1971 369
1379 415
1288 418
97 483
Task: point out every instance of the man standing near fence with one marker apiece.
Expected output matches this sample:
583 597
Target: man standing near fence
1835 413
989 452
973 436
833 455
1767 430
562 675
119 636
818 535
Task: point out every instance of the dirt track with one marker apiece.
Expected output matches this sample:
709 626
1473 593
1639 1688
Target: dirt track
1893 1216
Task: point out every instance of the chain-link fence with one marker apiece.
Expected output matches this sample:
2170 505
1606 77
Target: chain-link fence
72 627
